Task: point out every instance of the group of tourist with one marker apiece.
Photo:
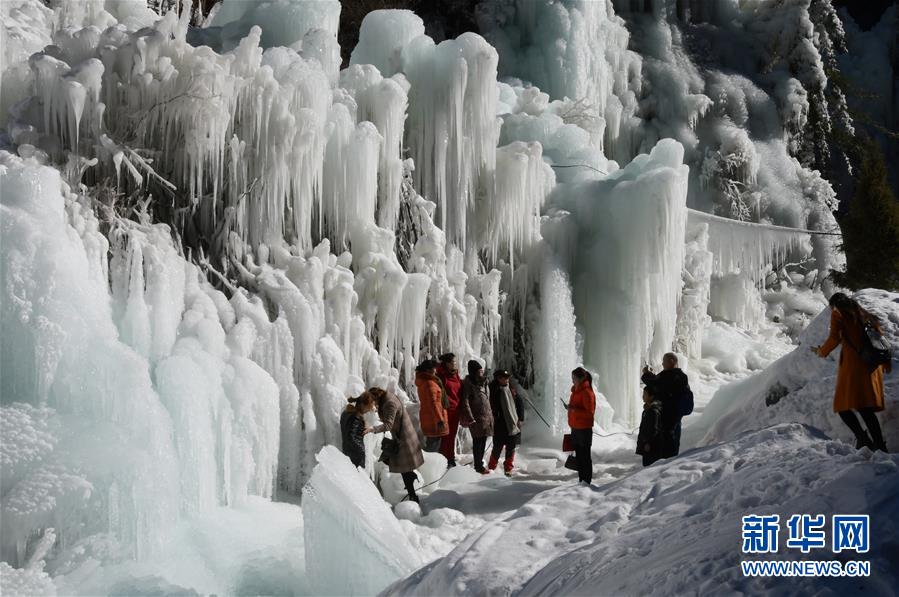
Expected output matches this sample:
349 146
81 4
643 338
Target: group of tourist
446 401
494 409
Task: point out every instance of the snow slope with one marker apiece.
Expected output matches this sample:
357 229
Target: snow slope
674 528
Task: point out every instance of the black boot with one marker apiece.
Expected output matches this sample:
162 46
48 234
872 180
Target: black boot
873 425
409 482
861 436
864 441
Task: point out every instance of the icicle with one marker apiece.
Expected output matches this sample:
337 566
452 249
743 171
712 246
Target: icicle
749 247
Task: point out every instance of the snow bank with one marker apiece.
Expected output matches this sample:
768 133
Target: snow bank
799 387
354 544
675 527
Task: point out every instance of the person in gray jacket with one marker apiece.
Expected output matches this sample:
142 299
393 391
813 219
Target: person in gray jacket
475 412
407 456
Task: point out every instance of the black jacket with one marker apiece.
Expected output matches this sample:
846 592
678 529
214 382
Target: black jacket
352 429
500 431
667 386
651 431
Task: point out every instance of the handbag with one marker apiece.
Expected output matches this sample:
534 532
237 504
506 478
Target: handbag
567 443
571 462
389 447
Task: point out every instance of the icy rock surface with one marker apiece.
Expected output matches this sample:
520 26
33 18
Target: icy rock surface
675 526
347 523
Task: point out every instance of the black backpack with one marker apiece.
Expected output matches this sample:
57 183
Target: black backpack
875 350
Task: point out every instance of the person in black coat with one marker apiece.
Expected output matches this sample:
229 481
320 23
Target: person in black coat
667 386
353 428
476 413
508 416
650 438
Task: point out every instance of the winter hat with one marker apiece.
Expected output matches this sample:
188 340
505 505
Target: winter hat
501 373
473 367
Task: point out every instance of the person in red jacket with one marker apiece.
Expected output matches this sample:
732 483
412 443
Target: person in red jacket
581 410
432 413
448 372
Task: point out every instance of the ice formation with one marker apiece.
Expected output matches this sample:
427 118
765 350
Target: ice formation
348 524
225 223
628 282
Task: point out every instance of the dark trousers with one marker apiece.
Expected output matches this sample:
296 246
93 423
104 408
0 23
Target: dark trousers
671 444
583 441
499 443
432 444
870 418
649 459
409 481
478 445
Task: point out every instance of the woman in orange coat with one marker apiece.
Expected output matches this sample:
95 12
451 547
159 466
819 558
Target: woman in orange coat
859 387
581 410
431 399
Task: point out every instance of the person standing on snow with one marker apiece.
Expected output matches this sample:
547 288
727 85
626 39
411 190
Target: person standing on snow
475 412
668 386
405 455
508 415
581 412
448 372
432 400
353 428
859 386
649 439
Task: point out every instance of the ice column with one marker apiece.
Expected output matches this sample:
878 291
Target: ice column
627 273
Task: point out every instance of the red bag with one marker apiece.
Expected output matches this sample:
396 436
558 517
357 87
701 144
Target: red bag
567 443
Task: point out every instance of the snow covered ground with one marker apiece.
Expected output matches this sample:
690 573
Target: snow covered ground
674 528
183 317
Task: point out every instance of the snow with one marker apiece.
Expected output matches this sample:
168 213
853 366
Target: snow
675 526
213 235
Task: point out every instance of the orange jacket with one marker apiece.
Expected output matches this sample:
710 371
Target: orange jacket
582 406
432 414
858 386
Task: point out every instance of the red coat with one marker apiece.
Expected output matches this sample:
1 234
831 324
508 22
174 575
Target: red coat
452 384
858 386
582 406
432 414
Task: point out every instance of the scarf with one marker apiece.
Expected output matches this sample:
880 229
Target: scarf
510 414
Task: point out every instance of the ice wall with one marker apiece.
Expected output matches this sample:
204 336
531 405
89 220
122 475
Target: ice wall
133 388
84 426
627 269
575 49
354 544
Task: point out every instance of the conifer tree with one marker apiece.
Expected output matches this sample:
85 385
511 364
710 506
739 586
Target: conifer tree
871 227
